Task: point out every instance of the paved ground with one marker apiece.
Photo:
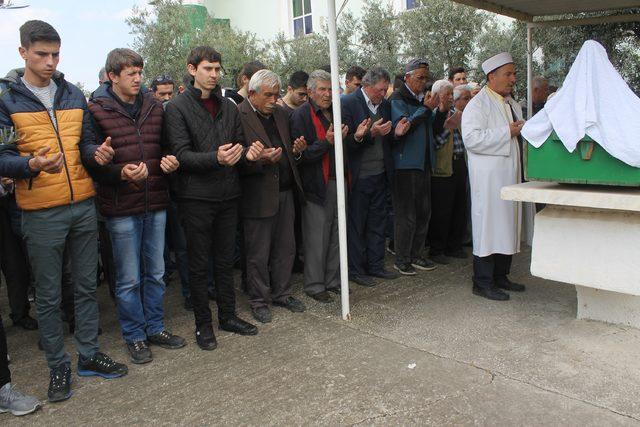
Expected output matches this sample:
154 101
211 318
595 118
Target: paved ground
419 350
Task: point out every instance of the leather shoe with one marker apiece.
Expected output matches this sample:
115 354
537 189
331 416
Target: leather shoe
492 293
238 326
439 259
205 337
27 322
459 254
384 274
291 304
362 280
338 290
324 297
261 314
508 285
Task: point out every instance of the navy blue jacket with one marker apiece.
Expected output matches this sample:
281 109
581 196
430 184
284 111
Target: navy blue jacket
354 111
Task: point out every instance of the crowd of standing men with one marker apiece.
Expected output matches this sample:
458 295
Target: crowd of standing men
224 177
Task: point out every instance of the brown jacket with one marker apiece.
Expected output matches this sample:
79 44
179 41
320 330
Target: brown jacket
259 180
134 140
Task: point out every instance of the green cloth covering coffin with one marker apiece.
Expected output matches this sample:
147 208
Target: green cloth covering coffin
588 164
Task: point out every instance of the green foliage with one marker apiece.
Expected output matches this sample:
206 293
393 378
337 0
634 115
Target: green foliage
164 36
379 37
443 32
447 34
83 89
561 45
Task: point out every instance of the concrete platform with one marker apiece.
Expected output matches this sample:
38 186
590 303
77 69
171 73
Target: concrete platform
528 361
587 236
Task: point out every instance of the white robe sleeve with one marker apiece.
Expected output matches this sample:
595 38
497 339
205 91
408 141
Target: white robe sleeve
483 134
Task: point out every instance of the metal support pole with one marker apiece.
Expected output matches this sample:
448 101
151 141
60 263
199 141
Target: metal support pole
337 126
529 71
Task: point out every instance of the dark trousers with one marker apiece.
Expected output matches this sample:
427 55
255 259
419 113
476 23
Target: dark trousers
270 250
47 233
412 208
297 225
366 225
321 247
177 242
210 229
13 260
490 269
5 374
449 212
68 302
106 257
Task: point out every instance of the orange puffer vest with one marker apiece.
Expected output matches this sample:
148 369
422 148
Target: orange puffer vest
36 130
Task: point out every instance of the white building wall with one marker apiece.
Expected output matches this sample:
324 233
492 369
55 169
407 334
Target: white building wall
267 18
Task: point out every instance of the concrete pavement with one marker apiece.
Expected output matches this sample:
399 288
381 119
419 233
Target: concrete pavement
421 351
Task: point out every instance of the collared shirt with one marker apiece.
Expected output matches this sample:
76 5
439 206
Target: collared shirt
256 110
373 108
418 97
443 137
325 121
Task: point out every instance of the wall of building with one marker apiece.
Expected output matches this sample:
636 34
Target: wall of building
267 18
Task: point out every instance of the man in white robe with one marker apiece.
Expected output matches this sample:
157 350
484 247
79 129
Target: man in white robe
491 125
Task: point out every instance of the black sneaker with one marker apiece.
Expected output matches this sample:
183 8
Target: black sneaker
139 352
405 268
60 383
423 264
101 365
205 338
291 304
166 339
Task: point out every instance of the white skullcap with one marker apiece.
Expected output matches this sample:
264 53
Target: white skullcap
496 62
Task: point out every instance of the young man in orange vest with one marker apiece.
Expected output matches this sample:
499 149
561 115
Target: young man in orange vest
53 188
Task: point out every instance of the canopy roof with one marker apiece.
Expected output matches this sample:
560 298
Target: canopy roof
529 10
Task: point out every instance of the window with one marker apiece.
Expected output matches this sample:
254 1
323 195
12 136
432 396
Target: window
302 22
412 4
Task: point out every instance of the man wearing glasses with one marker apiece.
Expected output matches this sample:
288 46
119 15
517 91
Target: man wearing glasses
414 121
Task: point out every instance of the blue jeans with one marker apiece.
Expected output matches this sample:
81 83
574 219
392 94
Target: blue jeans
138 240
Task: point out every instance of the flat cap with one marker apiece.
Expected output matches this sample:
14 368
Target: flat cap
414 64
